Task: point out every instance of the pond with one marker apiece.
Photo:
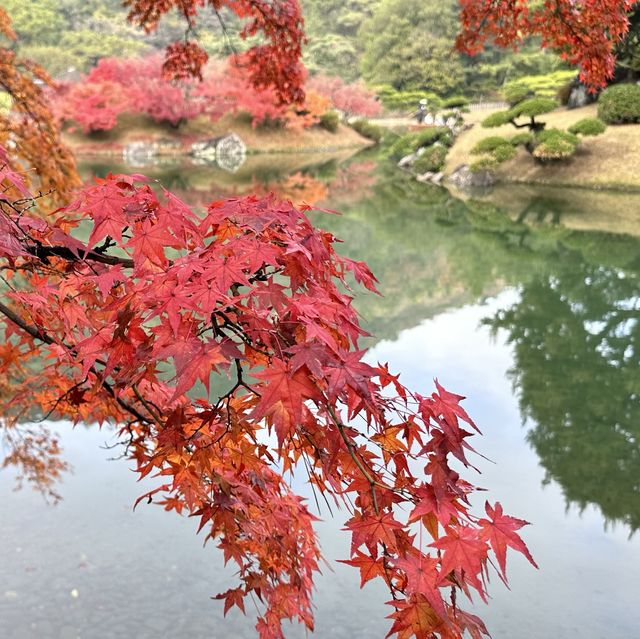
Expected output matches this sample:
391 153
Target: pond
526 300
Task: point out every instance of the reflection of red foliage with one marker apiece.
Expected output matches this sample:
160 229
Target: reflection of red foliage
353 182
352 99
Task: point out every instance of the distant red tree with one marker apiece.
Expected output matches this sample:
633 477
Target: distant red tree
147 89
352 99
94 106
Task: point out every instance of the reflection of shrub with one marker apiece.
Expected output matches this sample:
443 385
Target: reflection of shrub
431 160
330 121
620 104
588 126
490 144
368 130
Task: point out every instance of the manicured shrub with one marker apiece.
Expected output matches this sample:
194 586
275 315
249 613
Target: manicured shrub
504 152
551 135
330 121
588 126
431 160
620 104
455 102
430 136
411 142
515 93
368 130
401 147
490 144
554 149
555 144
496 119
533 107
522 139
406 100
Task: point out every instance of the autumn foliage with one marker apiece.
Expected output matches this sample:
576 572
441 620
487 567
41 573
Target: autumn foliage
353 99
138 86
584 33
225 348
29 128
275 63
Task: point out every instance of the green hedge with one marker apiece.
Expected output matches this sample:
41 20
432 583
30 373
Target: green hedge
411 142
368 130
330 121
588 126
490 144
431 160
620 104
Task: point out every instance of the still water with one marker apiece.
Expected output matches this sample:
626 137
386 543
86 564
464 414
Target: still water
524 300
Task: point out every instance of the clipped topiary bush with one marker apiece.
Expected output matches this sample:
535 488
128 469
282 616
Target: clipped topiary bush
533 107
522 139
588 126
514 93
620 104
551 135
504 152
431 160
490 144
368 130
455 102
430 136
330 121
496 119
411 142
555 144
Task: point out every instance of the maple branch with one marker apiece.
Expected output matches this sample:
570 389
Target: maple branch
43 337
352 452
44 252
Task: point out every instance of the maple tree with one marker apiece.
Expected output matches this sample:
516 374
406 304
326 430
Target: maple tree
29 129
351 98
201 336
274 63
584 33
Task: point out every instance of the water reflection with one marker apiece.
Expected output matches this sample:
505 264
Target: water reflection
576 338
563 290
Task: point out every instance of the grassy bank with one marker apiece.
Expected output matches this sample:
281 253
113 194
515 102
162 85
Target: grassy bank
258 140
610 160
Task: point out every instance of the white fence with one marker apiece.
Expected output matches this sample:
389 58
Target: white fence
486 106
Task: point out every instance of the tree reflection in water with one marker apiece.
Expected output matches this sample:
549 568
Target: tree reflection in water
576 338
